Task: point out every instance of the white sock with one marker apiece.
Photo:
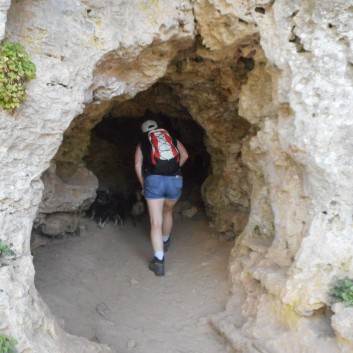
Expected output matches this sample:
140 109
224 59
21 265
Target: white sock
165 238
159 254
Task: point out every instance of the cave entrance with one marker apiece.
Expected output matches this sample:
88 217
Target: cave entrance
99 285
111 153
198 98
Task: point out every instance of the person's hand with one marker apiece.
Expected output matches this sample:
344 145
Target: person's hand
143 192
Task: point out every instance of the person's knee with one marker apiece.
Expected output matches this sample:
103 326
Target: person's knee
156 223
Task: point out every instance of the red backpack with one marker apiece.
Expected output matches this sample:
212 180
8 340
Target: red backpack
164 153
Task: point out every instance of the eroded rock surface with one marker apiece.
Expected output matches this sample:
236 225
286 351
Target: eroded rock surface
295 244
67 41
271 85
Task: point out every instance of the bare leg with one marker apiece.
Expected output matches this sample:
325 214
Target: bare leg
168 216
155 209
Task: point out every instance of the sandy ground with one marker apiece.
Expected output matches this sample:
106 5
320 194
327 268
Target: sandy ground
99 286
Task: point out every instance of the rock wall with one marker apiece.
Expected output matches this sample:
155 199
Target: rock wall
297 241
210 89
67 41
271 84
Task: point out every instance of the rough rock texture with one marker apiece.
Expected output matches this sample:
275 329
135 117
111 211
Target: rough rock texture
68 191
270 82
297 240
67 41
193 87
210 90
4 6
342 321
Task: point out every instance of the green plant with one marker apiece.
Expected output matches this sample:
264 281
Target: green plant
343 291
5 250
7 344
15 69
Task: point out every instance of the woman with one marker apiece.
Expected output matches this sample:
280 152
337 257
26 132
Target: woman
161 182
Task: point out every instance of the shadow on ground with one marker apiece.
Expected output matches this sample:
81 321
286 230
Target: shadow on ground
98 285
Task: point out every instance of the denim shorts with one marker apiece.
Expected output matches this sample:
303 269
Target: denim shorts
163 187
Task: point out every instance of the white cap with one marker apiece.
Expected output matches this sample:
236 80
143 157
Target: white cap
149 125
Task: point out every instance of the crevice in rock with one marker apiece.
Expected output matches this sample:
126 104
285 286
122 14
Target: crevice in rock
297 41
260 10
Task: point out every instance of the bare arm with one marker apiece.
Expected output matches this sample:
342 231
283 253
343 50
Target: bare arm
183 153
138 165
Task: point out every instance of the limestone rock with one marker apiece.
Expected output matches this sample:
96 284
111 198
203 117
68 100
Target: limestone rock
342 322
221 24
70 191
67 41
4 6
270 83
190 212
56 224
296 221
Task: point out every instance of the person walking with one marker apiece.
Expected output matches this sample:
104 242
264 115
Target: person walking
158 159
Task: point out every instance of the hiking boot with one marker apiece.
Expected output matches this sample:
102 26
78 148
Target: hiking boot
157 266
166 245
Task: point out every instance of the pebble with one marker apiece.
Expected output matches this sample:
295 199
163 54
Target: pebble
82 230
131 344
133 281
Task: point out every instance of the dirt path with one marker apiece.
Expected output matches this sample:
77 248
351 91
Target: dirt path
99 286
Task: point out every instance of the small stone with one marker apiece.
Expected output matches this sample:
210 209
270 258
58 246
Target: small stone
133 281
190 212
229 236
131 344
82 230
